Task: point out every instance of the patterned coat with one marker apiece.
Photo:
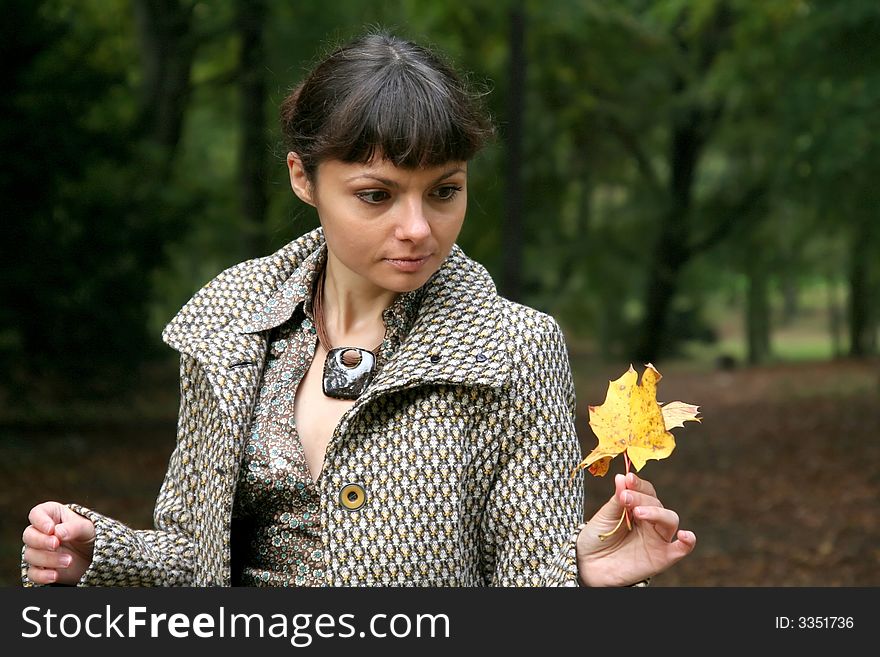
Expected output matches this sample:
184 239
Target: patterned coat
462 446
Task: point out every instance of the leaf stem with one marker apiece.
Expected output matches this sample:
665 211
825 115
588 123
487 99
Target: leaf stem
602 537
625 514
625 510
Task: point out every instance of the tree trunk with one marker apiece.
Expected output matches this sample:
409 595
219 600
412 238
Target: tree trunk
835 319
167 49
791 305
758 315
691 125
512 234
671 251
862 319
253 165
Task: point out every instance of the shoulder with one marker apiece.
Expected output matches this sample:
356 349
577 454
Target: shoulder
234 294
536 342
470 289
534 323
531 337
253 275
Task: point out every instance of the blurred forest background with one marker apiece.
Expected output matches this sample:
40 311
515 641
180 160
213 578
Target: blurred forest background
685 182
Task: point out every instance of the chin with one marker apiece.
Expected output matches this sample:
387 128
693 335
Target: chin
407 282
407 285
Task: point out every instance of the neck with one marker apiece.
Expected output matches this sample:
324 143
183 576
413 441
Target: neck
352 307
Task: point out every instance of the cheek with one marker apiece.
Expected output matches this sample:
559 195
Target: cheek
448 231
343 229
355 244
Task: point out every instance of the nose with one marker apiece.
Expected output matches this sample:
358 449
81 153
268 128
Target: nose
412 224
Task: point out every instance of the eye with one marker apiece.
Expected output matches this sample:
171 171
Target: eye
373 196
447 192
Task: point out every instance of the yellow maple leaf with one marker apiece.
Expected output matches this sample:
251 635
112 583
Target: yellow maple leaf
633 423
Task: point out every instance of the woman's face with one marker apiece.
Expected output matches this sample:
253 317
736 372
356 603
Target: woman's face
386 226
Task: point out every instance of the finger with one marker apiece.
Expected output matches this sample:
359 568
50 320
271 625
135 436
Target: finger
45 559
617 500
687 537
42 575
631 499
619 485
45 516
34 538
682 547
664 521
75 528
634 482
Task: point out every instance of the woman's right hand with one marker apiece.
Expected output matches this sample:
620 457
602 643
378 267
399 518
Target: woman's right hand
59 544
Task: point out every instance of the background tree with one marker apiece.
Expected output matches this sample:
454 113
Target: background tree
656 162
81 244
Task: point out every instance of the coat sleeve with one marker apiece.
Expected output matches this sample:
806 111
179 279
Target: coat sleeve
535 508
156 557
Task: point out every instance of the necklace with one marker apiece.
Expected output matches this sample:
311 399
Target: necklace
347 370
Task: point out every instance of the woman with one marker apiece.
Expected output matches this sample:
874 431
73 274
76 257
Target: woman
361 407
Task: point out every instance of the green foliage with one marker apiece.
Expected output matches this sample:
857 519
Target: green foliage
109 230
85 233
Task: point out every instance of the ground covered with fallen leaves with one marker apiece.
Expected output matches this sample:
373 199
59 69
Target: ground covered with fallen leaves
780 482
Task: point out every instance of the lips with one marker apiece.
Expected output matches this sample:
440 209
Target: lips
408 263
411 258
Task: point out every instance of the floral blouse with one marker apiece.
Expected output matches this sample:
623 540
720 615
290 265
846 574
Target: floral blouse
277 503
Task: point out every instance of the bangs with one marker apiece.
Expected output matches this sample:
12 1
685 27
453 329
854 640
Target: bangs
410 121
384 98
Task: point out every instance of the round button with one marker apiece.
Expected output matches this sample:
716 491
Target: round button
352 497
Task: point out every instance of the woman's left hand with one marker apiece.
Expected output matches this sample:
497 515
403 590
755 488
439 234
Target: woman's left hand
626 557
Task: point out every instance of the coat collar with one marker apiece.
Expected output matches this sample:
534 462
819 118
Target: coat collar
457 338
296 291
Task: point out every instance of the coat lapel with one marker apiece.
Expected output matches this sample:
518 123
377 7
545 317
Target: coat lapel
456 339
213 326
233 363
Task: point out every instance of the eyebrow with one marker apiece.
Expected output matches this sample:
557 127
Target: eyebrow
391 183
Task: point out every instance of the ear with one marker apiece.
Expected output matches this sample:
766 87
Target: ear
299 181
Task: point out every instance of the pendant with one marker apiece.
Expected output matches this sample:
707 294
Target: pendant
348 371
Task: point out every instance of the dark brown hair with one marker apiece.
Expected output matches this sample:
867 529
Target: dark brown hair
383 95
